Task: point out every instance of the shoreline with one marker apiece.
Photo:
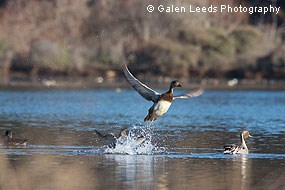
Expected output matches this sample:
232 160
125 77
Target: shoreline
120 83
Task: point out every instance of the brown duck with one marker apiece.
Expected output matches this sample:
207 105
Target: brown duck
10 140
110 139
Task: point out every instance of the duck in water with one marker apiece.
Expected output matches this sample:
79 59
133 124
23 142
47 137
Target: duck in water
10 140
161 102
241 149
111 139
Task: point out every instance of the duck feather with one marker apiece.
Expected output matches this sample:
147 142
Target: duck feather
190 94
145 91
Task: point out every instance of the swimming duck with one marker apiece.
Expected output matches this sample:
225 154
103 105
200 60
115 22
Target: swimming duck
241 149
110 139
161 102
10 140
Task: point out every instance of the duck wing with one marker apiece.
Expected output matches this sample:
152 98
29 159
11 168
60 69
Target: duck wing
229 149
190 94
146 92
109 140
230 146
100 134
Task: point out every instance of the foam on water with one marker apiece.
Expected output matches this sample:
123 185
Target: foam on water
139 140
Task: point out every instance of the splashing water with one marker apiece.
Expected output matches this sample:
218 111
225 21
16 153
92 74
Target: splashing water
137 141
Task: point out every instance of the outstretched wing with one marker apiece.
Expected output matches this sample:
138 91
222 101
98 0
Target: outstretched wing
146 92
190 94
99 134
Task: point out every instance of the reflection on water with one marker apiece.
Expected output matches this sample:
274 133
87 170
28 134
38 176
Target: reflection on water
130 169
44 172
64 152
244 172
87 168
244 161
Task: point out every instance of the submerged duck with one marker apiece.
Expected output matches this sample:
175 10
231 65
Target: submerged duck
161 102
110 139
10 140
241 149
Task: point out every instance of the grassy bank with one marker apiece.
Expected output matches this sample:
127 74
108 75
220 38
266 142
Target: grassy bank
47 39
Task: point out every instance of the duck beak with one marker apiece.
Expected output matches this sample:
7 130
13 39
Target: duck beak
179 85
250 136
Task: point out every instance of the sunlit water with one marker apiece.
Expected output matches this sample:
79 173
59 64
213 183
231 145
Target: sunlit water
182 150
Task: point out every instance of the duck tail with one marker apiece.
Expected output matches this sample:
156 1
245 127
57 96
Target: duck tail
149 118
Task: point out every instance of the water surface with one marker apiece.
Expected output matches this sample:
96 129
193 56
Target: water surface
187 141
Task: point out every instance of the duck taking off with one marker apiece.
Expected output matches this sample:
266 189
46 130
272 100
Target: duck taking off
241 149
161 102
110 139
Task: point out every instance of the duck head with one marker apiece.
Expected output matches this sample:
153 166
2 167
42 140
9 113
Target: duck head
245 134
8 134
175 83
123 132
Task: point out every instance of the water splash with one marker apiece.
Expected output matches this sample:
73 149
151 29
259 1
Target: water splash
139 140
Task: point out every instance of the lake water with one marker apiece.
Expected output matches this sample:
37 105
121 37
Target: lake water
184 148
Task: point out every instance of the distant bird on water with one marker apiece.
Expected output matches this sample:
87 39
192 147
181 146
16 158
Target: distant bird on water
10 140
241 149
162 102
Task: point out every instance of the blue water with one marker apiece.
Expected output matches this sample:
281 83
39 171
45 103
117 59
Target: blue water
185 150
227 110
216 116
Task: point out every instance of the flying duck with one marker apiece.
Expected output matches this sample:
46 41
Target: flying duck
10 140
241 149
161 102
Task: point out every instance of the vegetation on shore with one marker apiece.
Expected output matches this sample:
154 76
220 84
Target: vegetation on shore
45 39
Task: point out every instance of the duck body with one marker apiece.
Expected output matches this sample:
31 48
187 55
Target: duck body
160 107
17 142
110 139
11 141
241 149
161 102
234 149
